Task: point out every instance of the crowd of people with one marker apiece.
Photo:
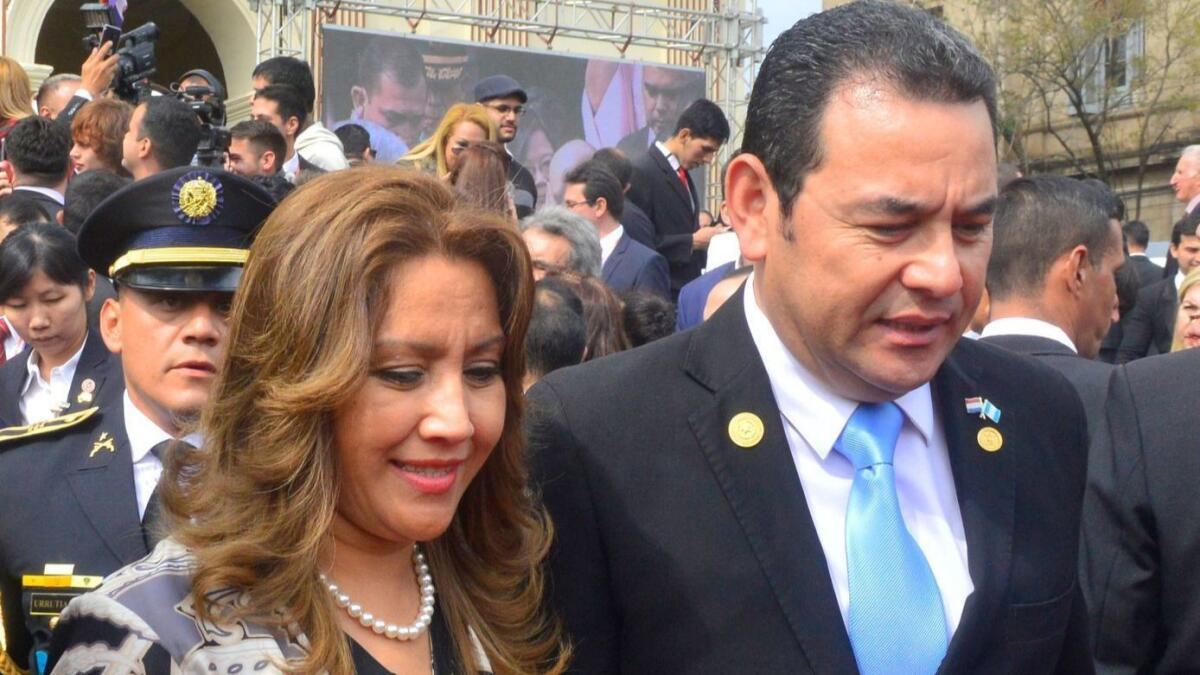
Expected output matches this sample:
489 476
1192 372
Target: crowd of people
309 410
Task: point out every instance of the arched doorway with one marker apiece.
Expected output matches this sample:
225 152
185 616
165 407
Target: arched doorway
183 43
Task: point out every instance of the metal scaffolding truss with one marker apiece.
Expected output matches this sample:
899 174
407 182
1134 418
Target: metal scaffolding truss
726 42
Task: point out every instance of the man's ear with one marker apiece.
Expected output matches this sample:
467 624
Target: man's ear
601 206
110 325
293 125
90 291
751 205
268 159
1076 266
145 147
358 97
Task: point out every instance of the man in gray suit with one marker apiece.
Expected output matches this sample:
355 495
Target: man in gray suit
1052 279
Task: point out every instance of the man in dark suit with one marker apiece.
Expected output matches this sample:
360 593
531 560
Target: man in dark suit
1052 280
662 186
38 150
1140 530
635 221
748 503
70 515
1137 238
1151 323
505 101
625 265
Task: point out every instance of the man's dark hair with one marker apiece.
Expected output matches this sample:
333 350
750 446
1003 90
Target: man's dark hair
84 194
599 182
355 139
1186 227
616 162
557 332
40 148
904 47
397 58
704 119
1039 219
19 209
173 130
647 316
288 102
263 136
1136 233
292 72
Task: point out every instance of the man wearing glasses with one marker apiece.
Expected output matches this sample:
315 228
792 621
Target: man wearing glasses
505 102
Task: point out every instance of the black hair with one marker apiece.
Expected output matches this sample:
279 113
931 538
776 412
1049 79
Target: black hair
1136 233
398 58
39 246
287 102
647 317
599 182
616 162
905 47
557 334
292 72
173 130
40 148
1128 285
84 194
704 119
355 139
1037 220
19 209
1185 227
264 136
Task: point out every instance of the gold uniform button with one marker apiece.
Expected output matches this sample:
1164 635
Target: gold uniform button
990 439
745 430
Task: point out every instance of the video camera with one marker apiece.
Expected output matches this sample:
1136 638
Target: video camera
136 63
208 103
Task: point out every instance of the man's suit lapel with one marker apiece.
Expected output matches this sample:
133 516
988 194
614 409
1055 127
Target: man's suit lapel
102 482
94 365
10 389
609 270
986 490
762 486
672 178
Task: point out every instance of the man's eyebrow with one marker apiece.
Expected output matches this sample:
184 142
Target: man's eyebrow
900 207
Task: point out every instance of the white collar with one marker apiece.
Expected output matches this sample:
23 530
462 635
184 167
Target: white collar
144 434
1139 254
67 369
1179 276
1021 325
608 243
1193 204
671 158
813 410
49 192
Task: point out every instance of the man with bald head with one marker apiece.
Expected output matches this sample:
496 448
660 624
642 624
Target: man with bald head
55 93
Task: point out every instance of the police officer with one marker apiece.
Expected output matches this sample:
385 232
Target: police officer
77 492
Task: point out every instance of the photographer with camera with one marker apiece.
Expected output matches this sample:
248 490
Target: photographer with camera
163 134
96 76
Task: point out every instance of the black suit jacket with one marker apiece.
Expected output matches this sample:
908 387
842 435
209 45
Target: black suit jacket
632 266
96 363
49 204
67 498
1141 534
673 209
637 224
678 552
1147 271
1151 322
1089 377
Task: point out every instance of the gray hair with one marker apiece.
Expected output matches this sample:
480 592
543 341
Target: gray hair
1191 152
52 83
579 233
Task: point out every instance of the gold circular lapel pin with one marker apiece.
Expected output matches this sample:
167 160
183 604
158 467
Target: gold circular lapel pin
989 439
85 391
745 430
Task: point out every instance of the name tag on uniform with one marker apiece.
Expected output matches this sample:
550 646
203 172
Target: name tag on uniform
47 595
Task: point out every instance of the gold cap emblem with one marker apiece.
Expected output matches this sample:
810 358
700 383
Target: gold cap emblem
745 430
989 439
197 198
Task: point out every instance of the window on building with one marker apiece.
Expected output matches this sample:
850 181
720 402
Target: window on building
1110 68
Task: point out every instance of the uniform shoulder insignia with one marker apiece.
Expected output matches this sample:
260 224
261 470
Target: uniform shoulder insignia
11 434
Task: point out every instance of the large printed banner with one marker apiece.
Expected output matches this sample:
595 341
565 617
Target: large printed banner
398 86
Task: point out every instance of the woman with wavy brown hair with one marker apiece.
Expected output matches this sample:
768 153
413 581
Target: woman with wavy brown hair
98 132
360 502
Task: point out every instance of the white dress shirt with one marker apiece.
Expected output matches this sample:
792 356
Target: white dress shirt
1021 325
608 243
13 344
41 399
1193 204
813 419
144 434
1179 276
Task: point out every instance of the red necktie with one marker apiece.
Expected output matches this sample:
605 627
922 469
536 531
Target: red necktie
3 337
683 178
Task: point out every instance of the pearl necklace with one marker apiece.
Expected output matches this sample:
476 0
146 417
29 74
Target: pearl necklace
381 627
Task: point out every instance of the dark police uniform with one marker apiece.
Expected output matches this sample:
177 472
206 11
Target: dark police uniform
67 495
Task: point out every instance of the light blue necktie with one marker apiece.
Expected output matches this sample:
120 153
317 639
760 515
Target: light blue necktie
896 619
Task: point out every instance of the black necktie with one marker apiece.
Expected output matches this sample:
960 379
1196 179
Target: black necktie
152 519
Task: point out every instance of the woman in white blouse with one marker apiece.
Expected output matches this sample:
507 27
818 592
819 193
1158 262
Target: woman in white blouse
44 290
